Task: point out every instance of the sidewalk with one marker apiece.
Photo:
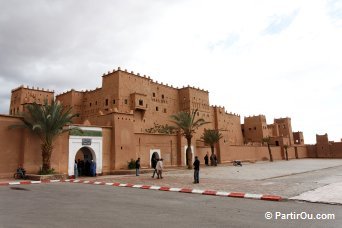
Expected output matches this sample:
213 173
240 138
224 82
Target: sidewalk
283 178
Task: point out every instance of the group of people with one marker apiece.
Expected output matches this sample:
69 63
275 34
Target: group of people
157 165
213 160
87 168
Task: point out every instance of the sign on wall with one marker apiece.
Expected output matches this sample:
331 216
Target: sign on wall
86 142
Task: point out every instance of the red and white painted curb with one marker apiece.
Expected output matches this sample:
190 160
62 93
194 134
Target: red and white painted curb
28 182
185 190
153 187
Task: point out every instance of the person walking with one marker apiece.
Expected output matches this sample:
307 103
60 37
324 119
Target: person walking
215 160
87 168
159 168
137 167
212 160
154 165
79 167
75 170
206 159
196 165
93 168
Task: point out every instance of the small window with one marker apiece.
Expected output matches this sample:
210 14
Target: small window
113 101
141 102
254 128
154 94
90 104
126 101
106 102
95 102
164 110
157 109
162 96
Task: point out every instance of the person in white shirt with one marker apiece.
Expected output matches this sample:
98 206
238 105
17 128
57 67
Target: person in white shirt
159 168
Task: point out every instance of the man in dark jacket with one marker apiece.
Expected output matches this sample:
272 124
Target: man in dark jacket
93 168
137 167
196 165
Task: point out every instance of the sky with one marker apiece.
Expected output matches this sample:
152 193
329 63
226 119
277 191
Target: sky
279 58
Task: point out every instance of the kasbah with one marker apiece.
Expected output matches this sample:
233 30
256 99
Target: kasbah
118 119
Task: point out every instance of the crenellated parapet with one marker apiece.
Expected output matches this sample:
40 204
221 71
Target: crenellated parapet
132 73
33 89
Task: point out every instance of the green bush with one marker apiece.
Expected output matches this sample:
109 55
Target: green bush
50 171
131 164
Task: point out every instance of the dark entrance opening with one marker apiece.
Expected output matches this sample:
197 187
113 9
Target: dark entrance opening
155 155
84 157
277 143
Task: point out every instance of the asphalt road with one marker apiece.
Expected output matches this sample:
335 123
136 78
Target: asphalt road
83 205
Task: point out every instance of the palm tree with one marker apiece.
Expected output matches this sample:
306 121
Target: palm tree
211 137
47 121
286 154
187 124
267 140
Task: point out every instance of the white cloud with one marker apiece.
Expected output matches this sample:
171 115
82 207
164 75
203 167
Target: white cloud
217 45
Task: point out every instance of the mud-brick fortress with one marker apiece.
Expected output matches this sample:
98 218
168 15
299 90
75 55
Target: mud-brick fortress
118 121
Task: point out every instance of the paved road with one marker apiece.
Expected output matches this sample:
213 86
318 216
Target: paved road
82 205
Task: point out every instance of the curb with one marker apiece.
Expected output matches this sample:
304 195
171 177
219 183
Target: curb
160 188
28 182
185 190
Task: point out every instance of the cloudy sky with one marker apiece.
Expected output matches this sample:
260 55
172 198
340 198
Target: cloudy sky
280 58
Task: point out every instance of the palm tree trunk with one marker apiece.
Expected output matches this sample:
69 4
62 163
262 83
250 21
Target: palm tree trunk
286 154
46 156
189 154
270 152
212 161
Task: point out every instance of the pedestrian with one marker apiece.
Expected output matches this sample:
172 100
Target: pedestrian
87 168
196 165
215 160
212 160
154 165
137 167
206 159
75 170
159 168
81 168
93 168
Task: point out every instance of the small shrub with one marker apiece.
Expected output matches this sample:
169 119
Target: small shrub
264 159
131 164
48 172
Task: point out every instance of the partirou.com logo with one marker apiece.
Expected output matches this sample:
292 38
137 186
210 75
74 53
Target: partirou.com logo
277 215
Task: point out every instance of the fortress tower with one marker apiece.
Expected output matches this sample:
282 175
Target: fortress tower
22 96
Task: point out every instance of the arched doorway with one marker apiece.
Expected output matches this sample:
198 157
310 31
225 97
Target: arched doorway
84 156
87 148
